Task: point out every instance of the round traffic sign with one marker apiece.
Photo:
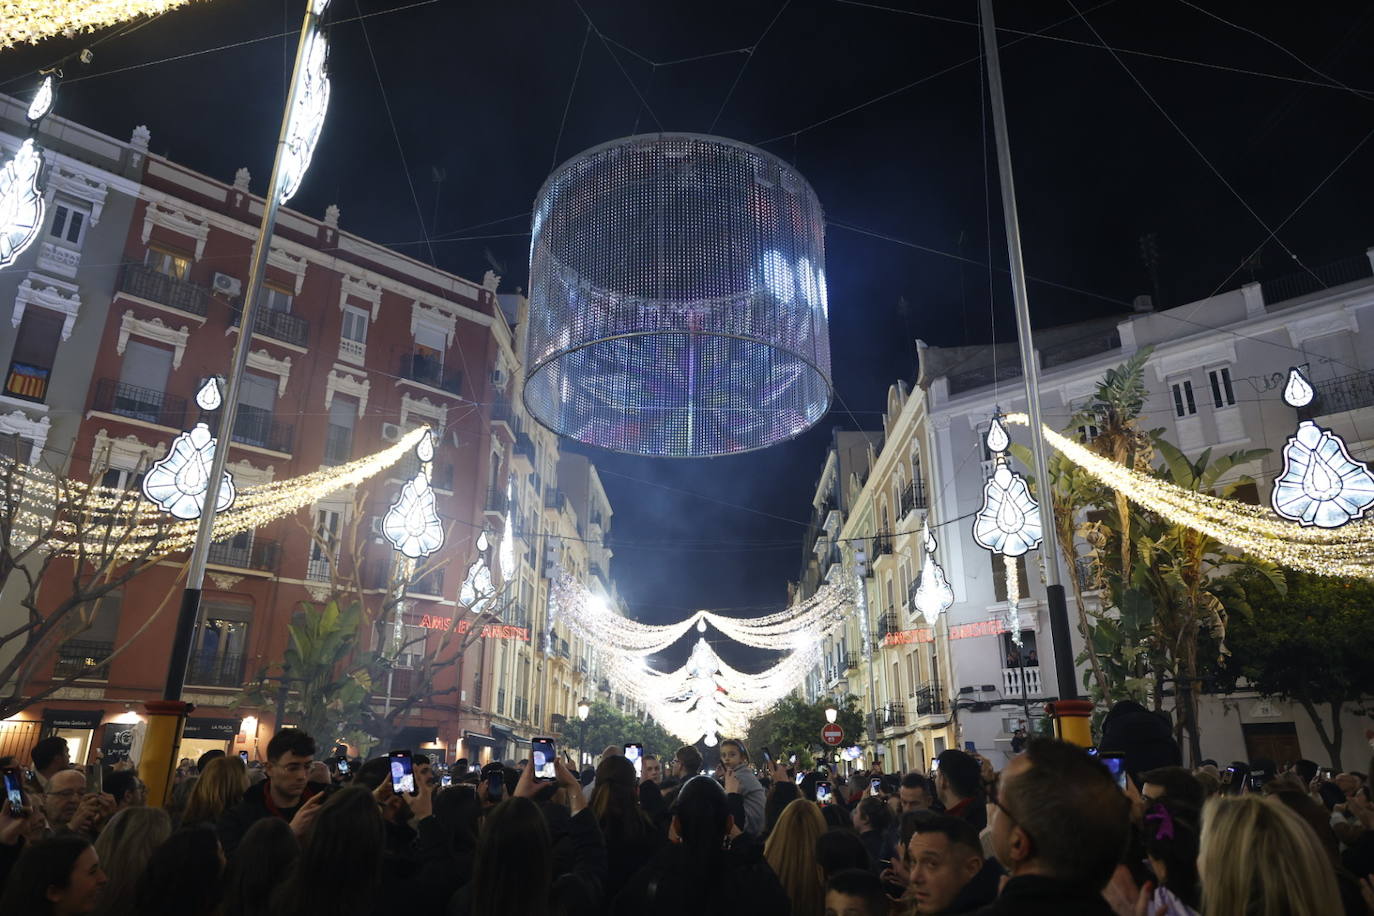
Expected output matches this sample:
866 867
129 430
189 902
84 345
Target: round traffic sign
832 734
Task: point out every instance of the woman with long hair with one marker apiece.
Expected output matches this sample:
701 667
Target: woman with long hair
708 863
262 860
339 871
220 787
57 877
513 871
631 840
183 874
791 852
782 794
124 847
1259 858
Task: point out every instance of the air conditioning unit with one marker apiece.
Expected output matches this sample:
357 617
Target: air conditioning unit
378 537
391 432
499 378
230 286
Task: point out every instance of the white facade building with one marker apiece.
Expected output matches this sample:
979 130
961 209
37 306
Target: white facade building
1215 375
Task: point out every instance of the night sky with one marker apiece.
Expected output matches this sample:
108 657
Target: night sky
1274 101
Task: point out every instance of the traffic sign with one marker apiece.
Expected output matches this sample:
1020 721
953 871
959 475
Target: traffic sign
832 734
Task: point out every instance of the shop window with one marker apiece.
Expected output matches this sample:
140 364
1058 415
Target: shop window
177 266
35 351
69 223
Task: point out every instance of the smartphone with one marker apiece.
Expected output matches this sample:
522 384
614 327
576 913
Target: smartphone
544 754
800 777
875 787
496 785
634 752
341 763
446 781
402 773
1116 765
823 794
14 791
767 757
243 755
934 765
970 747
1257 779
1092 751
1328 773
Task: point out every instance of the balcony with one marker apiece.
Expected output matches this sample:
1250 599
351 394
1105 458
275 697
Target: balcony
929 701
401 682
496 500
432 583
338 444
125 400
429 371
893 715
27 382
564 651
501 411
882 544
440 475
1338 273
887 623
596 570
1349 392
146 283
1012 681
76 655
319 568
281 326
850 662
352 351
555 499
524 445
261 554
255 426
211 671
913 497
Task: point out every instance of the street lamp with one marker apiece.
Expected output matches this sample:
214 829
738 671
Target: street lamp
830 714
583 709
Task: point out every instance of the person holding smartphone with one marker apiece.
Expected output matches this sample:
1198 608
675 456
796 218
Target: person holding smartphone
285 793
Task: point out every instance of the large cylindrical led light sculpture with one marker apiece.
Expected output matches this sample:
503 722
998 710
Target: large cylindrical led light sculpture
677 299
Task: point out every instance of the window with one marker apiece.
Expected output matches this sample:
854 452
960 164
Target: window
338 442
35 350
221 644
999 576
69 223
122 479
1088 432
429 346
176 266
1184 404
1222 393
276 300
324 547
257 399
411 651
354 324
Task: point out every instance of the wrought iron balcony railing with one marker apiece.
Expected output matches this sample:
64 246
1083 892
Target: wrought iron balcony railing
281 326
125 400
260 553
1348 392
77 655
430 371
146 283
215 671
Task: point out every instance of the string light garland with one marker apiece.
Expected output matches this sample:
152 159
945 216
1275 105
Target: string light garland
1344 551
1321 484
310 107
32 21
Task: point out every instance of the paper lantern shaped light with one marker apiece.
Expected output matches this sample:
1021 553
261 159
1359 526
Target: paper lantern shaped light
1321 485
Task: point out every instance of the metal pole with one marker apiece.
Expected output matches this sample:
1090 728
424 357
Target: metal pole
1059 617
195 575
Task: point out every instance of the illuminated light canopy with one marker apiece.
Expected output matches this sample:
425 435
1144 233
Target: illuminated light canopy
934 595
307 115
1013 597
1321 485
21 203
412 523
1009 521
677 299
32 21
42 101
177 483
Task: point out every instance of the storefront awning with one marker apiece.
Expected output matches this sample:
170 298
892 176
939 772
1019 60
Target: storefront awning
472 739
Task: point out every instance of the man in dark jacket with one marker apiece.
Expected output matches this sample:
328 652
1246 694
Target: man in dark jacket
1059 827
959 783
284 793
944 859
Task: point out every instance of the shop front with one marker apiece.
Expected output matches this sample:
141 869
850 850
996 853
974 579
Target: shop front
478 749
204 734
77 726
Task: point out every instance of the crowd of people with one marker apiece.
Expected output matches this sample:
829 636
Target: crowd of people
1056 831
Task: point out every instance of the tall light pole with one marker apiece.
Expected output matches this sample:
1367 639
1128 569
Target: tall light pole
1074 727
306 100
583 709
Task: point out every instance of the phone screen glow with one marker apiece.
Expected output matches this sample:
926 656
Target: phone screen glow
402 775
635 754
14 790
542 753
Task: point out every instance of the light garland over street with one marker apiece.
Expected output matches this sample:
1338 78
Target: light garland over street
31 21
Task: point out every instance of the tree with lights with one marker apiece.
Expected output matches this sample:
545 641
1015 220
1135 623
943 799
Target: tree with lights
606 725
88 540
794 725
